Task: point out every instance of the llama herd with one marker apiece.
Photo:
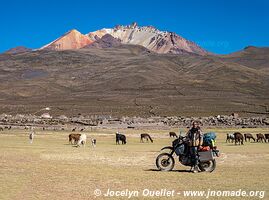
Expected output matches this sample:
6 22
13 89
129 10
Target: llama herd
6 127
238 138
80 139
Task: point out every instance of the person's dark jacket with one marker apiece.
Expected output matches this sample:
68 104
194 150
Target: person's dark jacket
194 136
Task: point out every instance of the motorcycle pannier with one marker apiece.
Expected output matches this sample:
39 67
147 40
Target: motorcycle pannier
205 156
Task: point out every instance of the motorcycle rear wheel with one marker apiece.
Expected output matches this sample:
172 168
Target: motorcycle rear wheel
207 166
165 162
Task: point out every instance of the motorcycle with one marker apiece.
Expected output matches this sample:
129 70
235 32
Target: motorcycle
166 162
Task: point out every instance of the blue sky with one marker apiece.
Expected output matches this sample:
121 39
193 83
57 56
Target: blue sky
220 26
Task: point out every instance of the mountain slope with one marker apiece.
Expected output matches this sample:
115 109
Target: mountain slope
129 80
70 40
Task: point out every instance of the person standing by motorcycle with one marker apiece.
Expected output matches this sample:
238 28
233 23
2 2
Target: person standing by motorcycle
194 137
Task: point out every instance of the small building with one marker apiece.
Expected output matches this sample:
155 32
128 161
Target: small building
63 117
46 116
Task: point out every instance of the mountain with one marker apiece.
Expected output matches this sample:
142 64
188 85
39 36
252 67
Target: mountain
151 38
131 80
147 36
19 49
70 40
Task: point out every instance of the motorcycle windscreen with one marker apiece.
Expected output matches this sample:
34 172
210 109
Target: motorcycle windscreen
205 156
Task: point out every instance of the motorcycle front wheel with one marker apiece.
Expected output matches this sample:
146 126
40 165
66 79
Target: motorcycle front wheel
165 162
207 166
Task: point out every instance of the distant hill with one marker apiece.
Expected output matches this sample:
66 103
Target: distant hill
253 57
19 49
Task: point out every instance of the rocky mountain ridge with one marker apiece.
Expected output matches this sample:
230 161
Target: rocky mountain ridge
147 36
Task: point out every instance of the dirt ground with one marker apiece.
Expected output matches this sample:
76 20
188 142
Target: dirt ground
50 168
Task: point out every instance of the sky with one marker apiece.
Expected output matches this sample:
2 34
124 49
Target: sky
219 26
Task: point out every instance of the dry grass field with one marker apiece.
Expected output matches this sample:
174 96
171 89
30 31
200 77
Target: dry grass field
50 168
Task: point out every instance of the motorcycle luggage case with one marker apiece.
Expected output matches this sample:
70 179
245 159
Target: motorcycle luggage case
205 155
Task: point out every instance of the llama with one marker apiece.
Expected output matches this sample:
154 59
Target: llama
120 137
82 140
31 135
93 142
145 136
